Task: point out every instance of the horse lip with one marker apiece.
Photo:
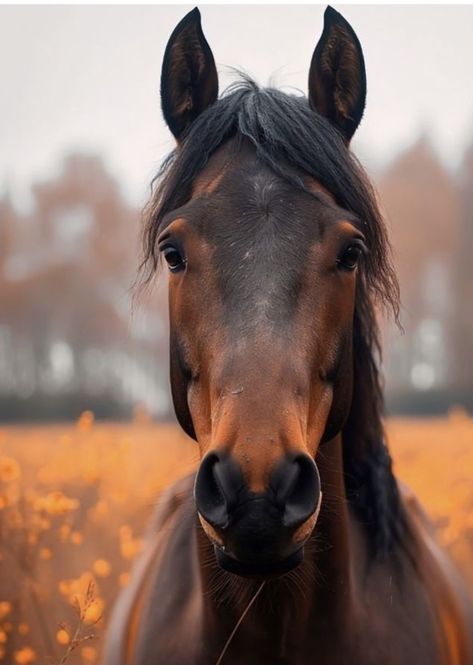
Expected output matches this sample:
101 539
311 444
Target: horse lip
258 570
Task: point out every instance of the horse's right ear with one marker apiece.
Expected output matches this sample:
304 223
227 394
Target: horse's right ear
189 82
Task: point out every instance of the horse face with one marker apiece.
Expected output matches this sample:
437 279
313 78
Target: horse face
261 291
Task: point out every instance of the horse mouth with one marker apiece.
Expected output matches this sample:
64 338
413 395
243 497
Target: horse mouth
258 570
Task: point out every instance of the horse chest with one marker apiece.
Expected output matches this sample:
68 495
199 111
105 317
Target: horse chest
179 636
176 625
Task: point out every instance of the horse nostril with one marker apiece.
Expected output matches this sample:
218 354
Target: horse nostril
296 486
216 488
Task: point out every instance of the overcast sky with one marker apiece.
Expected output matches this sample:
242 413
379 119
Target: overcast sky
87 77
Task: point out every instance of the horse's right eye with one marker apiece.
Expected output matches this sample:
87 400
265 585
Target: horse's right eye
173 258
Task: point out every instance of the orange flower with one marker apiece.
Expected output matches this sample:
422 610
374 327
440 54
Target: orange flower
56 503
100 511
89 655
45 524
95 610
125 532
102 568
62 636
5 608
23 628
129 546
76 538
76 590
64 531
9 469
25 656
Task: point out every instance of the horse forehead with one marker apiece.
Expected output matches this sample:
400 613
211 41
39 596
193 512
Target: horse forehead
240 178
262 229
251 203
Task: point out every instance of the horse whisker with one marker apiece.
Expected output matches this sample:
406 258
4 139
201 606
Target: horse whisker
238 623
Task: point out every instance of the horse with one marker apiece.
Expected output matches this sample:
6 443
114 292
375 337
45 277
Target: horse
293 543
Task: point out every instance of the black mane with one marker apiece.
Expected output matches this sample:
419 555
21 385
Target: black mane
288 135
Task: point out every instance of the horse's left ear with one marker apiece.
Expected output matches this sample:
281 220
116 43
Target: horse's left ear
337 78
189 81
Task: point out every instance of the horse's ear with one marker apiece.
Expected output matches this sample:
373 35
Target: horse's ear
189 81
337 78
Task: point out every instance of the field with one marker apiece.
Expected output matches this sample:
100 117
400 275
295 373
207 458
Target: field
74 501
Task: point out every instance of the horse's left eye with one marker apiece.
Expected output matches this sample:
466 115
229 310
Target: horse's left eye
349 258
173 258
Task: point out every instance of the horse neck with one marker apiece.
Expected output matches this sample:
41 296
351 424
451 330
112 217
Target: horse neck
333 548
322 586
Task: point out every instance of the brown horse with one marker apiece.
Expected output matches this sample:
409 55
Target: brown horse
293 543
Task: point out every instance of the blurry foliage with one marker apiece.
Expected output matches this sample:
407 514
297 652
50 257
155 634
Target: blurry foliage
68 340
426 207
67 336
435 458
75 499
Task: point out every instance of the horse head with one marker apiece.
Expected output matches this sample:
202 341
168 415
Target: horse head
271 236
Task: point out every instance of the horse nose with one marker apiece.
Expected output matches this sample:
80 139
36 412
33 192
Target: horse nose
295 484
294 489
216 489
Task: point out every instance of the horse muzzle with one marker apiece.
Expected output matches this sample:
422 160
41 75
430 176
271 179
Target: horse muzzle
258 534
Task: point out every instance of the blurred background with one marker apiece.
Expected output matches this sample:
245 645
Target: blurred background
87 439
81 137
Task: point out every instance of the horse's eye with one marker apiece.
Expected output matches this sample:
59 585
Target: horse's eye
173 258
349 258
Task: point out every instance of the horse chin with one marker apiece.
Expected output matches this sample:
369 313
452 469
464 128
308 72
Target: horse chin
258 570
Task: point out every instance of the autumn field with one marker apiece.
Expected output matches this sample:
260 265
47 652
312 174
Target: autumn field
75 499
